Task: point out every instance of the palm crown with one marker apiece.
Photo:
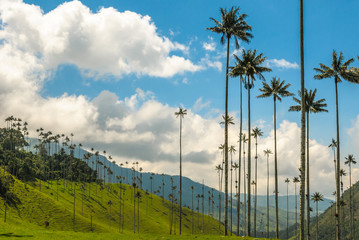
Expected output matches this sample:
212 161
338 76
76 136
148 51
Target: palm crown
312 105
232 25
256 132
277 89
350 159
339 70
181 112
250 66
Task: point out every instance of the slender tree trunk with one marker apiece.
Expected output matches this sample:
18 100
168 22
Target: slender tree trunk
239 157
231 199
192 211
350 201
317 222
287 211
180 200
249 162
226 149
276 170
268 196
337 214
203 206
245 192
219 201
308 190
296 212
302 126
255 193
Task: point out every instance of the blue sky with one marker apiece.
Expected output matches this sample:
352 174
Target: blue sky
196 82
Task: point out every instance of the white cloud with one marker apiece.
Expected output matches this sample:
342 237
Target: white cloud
199 105
119 43
209 46
207 62
281 63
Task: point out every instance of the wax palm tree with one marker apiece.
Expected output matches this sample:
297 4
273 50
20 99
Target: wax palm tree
192 188
245 140
333 145
339 71
235 166
277 89
110 204
250 67
295 181
231 151
239 175
232 25
181 112
256 132
311 106
302 125
287 181
240 72
350 160
219 169
317 197
267 152
342 173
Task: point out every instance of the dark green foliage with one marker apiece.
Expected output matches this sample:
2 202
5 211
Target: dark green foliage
6 181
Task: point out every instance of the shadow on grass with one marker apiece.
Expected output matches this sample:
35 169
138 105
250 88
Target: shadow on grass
14 235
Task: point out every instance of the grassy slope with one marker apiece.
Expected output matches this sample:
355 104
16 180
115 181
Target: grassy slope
37 206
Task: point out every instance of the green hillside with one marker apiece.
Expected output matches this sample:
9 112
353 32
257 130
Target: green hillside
54 205
326 220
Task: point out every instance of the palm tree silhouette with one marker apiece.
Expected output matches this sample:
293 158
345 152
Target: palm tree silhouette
287 181
245 140
350 160
295 181
267 152
239 175
311 106
234 26
316 197
256 132
241 74
231 150
333 145
192 188
181 112
340 70
250 66
277 89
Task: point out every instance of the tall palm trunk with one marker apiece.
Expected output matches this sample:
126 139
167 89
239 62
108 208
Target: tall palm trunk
231 199
226 148
302 126
255 192
180 200
268 196
219 202
244 190
317 221
249 162
350 201
239 158
308 191
192 212
337 214
296 211
276 170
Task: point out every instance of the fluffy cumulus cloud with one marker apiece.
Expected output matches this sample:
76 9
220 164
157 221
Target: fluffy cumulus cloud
282 63
108 41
